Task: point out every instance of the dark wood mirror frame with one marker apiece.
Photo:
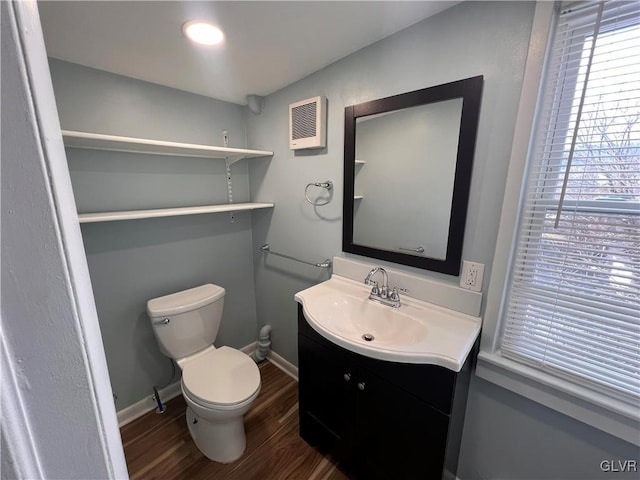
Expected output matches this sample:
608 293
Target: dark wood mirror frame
470 90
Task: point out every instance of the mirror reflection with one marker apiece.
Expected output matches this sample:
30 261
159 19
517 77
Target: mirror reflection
407 173
405 168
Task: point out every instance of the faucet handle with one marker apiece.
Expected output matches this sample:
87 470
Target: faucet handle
394 296
395 293
374 290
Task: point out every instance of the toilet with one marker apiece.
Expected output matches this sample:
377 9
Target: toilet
218 384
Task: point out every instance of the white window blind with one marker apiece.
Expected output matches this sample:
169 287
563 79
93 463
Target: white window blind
572 307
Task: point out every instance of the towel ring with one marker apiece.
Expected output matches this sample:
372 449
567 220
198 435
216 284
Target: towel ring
327 185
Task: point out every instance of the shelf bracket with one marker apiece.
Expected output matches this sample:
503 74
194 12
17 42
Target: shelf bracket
233 159
228 163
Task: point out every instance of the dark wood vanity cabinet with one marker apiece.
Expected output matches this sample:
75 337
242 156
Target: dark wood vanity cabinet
380 420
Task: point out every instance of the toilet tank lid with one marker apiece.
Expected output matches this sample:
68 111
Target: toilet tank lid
184 301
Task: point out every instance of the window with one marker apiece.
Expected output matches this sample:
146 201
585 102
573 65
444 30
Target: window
572 303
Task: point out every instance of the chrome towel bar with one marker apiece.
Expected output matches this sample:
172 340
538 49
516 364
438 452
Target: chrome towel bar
267 249
418 249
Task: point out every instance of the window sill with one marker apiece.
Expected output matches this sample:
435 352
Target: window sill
609 415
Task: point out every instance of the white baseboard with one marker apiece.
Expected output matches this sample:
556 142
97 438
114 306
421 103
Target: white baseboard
249 349
147 404
284 365
279 361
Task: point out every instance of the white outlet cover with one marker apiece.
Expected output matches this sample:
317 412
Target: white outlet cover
467 268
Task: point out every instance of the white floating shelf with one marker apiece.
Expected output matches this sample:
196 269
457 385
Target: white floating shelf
98 141
358 197
360 162
169 212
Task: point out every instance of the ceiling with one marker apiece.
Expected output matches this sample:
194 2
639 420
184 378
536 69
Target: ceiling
268 44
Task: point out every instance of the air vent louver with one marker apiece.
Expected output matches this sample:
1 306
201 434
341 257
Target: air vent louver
304 121
307 120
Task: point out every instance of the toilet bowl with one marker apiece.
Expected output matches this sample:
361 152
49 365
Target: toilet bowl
219 388
219 385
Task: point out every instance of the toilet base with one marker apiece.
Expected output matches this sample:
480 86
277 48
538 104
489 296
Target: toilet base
222 442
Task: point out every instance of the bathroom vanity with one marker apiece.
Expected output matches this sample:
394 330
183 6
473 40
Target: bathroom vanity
380 419
383 390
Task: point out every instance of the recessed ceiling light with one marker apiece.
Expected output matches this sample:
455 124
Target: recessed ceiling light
202 32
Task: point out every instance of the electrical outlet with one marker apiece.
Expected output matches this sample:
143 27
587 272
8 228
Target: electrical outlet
471 277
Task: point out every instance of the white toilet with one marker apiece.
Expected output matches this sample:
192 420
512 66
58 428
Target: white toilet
218 384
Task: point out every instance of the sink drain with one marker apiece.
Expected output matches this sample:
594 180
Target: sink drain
368 337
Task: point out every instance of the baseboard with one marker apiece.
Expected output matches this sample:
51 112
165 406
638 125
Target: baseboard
284 365
279 361
249 349
147 404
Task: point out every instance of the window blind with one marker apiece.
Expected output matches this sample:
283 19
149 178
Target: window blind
572 307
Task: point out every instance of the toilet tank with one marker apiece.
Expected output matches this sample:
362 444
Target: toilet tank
187 322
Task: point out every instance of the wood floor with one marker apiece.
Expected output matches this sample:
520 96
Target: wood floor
159 446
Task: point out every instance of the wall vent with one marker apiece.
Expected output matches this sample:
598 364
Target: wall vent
307 123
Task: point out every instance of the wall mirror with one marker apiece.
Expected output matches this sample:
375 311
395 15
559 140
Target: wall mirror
407 173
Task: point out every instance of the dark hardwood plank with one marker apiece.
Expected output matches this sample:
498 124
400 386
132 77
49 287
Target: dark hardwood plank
282 457
285 456
149 448
160 447
146 424
171 463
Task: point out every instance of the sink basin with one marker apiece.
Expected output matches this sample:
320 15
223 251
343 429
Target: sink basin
417 332
351 317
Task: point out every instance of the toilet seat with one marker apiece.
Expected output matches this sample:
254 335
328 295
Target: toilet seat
222 378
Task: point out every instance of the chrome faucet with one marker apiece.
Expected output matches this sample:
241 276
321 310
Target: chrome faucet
382 294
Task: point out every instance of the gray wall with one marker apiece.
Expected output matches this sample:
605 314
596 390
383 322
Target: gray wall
505 436
509 437
133 261
57 419
474 38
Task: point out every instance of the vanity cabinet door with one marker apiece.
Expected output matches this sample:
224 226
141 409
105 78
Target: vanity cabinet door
397 435
383 420
327 397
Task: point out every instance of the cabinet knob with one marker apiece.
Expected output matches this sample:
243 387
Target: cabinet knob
361 385
347 377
